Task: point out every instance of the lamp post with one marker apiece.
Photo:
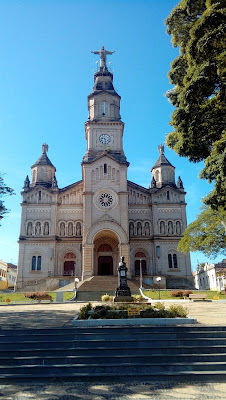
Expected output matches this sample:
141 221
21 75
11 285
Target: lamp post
158 279
141 274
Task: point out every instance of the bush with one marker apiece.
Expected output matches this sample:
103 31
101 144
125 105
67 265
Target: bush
177 293
106 297
84 311
178 310
35 296
181 293
187 292
138 298
159 306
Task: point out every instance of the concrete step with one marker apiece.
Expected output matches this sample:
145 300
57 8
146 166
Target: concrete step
113 352
105 284
115 369
105 343
115 336
118 358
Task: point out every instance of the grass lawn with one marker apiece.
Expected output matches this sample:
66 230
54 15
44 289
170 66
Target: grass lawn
166 294
153 294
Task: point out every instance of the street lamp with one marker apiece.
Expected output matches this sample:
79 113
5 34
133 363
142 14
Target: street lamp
141 274
158 279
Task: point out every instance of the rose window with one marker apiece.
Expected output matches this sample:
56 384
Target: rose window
106 200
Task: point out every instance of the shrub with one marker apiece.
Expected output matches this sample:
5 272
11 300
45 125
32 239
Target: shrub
84 311
159 306
106 297
35 296
178 310
187 292
138 298
181 293
177 293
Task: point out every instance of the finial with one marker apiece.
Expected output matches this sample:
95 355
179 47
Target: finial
54 181
103 57
161 148
153 182
27 182
179 183
45 148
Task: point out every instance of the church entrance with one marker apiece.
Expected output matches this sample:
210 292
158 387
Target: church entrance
106 253
69 264
105 265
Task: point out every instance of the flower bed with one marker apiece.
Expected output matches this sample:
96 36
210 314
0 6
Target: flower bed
120 311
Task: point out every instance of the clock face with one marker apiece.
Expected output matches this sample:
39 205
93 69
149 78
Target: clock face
104 139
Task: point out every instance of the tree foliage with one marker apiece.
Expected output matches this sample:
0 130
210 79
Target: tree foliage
198 28
206 234
4 190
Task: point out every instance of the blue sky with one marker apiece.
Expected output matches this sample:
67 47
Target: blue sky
46 74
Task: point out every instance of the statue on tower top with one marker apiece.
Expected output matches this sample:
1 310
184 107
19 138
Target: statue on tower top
45 148
161 148
103 57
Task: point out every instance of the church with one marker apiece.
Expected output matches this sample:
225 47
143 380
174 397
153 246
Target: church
83 229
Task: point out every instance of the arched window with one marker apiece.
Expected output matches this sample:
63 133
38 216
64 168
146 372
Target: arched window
36 263
140 262
69 264
104 109
172 260
105 248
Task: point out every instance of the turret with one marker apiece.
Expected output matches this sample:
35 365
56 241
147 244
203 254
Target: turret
163 173
43 171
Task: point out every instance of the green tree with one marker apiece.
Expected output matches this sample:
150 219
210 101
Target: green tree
206 234
198 28
4 190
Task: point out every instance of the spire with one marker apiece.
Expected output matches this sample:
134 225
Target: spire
180 183
44 159
162 160
26 183
43 171
163 171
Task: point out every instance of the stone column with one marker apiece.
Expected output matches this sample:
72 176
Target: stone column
87 261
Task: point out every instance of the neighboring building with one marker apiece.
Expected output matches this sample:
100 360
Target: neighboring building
8 275
211 276
84 228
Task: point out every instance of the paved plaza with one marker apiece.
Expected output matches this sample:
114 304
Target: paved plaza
61 315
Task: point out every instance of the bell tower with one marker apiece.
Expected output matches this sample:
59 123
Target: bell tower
104 173
104 128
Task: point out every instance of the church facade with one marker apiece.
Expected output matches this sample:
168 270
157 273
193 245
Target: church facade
83 229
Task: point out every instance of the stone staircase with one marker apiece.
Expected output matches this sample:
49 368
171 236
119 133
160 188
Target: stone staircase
118 354
94 287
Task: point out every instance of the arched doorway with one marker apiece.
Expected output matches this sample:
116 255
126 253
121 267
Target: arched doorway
105 262
69 264
140 258
106 253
